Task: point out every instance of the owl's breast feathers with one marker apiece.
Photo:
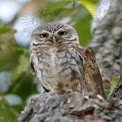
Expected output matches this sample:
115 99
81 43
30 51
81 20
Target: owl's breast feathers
58 64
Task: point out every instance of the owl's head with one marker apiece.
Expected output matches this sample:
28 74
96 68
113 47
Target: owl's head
54 33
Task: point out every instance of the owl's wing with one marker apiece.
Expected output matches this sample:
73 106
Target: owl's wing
93 80
86 54
32 69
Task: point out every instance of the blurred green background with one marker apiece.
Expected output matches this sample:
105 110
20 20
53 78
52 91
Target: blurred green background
17 85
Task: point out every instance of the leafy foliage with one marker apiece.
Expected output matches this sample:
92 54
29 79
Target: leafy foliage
7 112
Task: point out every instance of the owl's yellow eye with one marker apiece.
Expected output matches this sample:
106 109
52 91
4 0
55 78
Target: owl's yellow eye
44 35
62 33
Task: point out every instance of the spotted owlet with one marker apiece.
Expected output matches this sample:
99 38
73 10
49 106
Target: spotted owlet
55 57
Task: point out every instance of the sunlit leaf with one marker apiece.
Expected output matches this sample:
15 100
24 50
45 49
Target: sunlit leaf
90 5
113 83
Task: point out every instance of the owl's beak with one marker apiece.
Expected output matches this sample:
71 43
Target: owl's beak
54 39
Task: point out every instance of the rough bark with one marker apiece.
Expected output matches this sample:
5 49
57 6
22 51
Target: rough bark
73 107
107 40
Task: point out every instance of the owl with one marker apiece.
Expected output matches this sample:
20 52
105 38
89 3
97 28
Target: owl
56 59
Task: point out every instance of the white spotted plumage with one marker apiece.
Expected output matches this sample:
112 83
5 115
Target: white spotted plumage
57 63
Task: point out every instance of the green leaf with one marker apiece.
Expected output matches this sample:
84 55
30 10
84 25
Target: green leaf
83 29
90 5
21 51
7 113
8 59
113 83
107 92
23 64
4 30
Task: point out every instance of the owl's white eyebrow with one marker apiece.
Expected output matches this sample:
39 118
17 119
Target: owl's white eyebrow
61 30
39 32
44 31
